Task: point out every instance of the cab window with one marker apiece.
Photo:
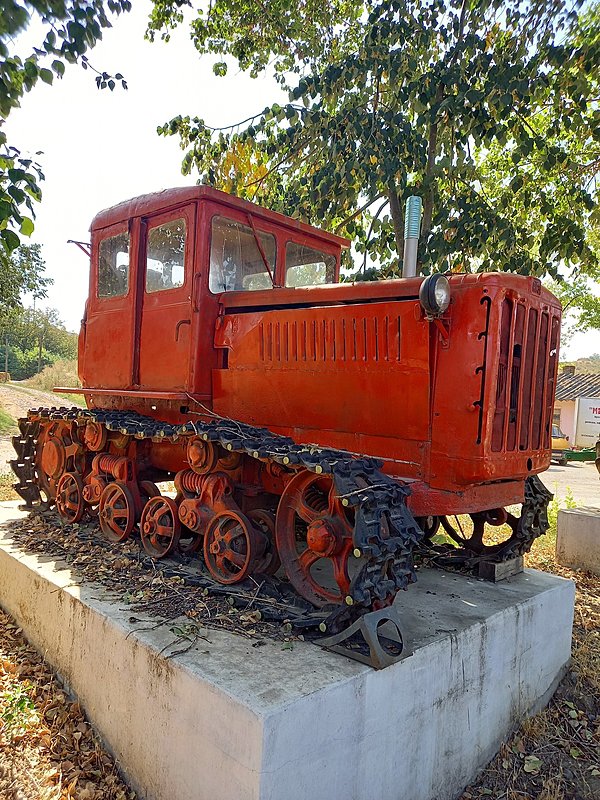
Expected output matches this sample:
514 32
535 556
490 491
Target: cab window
165 256
307 267
236 263
113 266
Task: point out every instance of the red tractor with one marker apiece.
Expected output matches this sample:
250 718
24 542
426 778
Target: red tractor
312 426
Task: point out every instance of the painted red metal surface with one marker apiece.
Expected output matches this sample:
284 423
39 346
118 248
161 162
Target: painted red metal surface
461 405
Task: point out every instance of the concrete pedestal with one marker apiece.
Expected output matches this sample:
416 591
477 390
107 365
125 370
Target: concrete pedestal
229 721
578 539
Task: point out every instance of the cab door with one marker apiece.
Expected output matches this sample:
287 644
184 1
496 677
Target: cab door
166 280
108 330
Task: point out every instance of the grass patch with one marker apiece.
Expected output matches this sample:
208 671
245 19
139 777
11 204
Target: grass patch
7 424
61 373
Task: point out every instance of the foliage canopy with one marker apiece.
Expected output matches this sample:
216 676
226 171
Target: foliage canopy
69 29
488 110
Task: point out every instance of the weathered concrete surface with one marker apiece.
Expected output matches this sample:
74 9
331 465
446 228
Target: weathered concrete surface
578 538
229 721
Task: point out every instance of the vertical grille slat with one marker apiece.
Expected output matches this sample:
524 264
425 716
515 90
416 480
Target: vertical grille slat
540 373
530 351
516 376
370 339
551 382
526 377
500 413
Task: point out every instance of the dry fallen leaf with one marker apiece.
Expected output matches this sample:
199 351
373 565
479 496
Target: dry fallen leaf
532 764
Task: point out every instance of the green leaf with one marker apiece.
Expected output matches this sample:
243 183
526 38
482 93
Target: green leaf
10 239
46 75
27 226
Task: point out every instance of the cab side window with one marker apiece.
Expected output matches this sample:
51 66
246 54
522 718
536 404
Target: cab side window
236 263
165 256
113 266
307 267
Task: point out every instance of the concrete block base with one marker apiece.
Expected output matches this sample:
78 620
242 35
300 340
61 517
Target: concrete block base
578 539
229 721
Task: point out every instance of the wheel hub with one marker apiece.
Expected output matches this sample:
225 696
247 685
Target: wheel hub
322 537
149 526
53 457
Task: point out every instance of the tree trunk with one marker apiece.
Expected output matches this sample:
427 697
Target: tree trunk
396 217
40 344
429 195
6 353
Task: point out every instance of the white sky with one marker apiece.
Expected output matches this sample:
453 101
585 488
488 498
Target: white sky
100 148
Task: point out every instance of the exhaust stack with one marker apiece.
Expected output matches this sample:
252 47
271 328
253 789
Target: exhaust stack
412 228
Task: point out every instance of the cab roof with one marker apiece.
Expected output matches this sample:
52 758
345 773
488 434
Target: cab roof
172 198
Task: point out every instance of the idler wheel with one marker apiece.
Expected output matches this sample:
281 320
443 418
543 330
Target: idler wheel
202 456
265 522
94 436
475 537
313 532
160 526
116 512
232 547
69 497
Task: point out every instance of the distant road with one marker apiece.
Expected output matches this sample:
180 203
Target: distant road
581 479
17 399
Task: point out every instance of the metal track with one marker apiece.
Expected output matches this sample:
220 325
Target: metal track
385 532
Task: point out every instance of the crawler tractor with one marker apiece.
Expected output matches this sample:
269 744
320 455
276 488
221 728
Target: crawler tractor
316 430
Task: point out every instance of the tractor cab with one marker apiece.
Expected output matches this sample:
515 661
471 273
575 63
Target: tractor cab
161 263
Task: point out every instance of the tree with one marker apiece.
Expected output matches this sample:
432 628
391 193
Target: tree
21 272
33 339
488 110
69 29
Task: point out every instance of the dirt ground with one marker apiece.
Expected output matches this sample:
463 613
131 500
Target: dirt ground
16 400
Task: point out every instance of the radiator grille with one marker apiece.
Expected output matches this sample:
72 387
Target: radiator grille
362 338
526 377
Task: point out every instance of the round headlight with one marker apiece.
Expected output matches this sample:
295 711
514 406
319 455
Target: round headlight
434 295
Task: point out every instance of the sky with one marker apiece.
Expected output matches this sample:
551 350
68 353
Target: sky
101 147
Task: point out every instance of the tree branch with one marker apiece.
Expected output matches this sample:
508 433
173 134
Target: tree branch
356 213
396 216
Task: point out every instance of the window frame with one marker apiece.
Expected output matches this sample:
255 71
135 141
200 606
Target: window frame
151 224
187 213
241 219
320 247
101 236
